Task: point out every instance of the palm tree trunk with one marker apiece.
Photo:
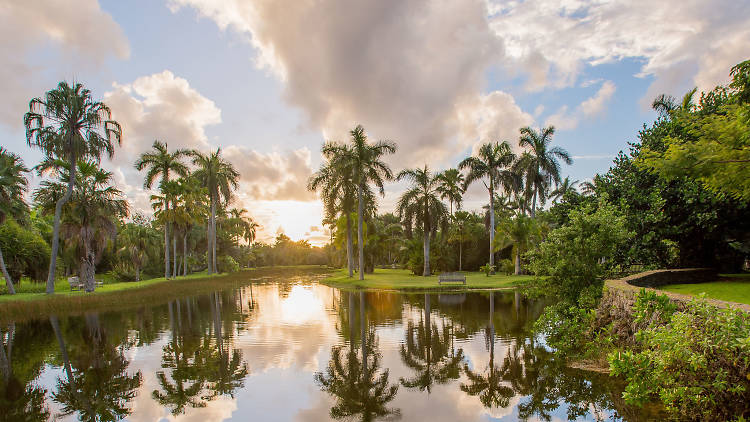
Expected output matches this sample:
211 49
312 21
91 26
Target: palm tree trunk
360 231
184 254
349 245
56 228
492 226
88 264
213 232
208 247
8 281
137 273
533 205
460 250
363 333
174 252
426 240
518 260
166 241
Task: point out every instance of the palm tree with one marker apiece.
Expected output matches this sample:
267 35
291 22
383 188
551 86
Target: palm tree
13 185
540 163
493 162
160 162
335 180
517 231
89 219
67 125
452 187
220 178
461 220
136 240
665 105
590 187
367 168
421 203
565 186
191 209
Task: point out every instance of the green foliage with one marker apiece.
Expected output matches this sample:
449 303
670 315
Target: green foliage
651 308
578 256
227 264
566 328
25 251
697 363
506 266
487 269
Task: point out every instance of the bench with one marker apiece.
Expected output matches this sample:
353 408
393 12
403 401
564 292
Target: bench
452 278
74 283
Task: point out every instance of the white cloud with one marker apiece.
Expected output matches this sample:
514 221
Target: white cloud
564 119
42 42
273 176
682 42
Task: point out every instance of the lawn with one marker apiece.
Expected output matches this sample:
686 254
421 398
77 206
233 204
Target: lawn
405 280
731 287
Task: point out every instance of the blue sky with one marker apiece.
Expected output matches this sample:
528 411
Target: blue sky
269 82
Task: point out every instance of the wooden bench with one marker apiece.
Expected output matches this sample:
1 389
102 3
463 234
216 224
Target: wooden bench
452 278
74 283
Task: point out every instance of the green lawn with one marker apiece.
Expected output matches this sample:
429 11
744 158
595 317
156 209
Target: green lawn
405 280
731 287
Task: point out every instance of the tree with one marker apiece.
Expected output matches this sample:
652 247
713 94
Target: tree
89 218
219 177
493 161
421 203
540 163
13 185
564 187
517 231
160 162
136 241
452 187
68 125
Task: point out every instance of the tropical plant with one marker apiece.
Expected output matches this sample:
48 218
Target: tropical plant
565 186
68 125
219 177
421 203
540 163
90 217
452 187
136 241
517 231
493 162
13 185
161 163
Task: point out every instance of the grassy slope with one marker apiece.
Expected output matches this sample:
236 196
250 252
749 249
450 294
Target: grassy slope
25 306
732 288
405 280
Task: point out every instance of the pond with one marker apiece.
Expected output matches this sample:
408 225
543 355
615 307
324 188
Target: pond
295 350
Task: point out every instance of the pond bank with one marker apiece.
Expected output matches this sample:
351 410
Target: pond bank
23 307
405 281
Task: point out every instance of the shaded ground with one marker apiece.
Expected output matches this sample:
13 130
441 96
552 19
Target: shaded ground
405 280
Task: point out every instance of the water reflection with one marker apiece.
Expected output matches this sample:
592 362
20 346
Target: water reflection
291 349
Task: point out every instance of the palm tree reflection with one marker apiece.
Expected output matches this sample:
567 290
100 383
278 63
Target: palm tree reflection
18 402
430 353
360 387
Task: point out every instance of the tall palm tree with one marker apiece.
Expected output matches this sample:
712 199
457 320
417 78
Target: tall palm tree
368 168
192 208
452 187
335 181
136 240
89 219
565 186
219 177
421 203
68 125
13 185
541 162
517 231
665 105
161 163
461 220
493 162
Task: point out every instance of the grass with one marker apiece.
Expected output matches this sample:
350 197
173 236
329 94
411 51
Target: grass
731 288
115 296
404 280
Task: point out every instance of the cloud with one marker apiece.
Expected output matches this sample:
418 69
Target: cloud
682 42
42 42
594 106
492 117
402 69
274 175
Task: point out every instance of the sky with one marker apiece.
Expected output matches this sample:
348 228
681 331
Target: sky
269 81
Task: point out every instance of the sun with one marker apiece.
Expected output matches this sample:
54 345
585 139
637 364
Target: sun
297 219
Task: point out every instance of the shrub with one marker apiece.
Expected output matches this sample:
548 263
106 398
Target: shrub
566 328
25 252
697 363
487 269
506 266
227 264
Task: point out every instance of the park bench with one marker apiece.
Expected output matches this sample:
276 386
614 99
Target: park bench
452 278
74 283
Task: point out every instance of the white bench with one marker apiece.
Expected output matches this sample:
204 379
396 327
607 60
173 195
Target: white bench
452 278
74 283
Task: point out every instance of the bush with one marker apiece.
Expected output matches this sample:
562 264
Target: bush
487 269
124 272
506 266
227 264
25 252
578 256
697 363
566 328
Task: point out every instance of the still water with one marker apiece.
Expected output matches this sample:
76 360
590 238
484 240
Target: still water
294 350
